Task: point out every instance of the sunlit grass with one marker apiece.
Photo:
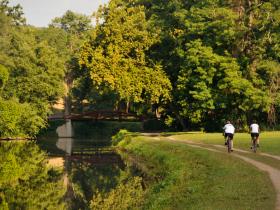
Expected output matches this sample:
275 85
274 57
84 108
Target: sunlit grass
269 141
199 179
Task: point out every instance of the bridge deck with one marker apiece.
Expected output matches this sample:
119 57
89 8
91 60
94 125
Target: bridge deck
98 115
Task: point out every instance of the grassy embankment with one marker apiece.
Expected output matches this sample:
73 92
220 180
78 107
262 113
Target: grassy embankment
198 179
269 141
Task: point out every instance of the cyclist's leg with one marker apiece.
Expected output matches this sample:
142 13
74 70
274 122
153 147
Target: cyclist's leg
231 141
225 135
258 140
255 144
252 140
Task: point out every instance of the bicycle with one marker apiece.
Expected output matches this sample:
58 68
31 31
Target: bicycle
229 144
254 145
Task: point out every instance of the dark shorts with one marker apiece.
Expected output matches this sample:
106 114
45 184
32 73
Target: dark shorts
230 135
255 135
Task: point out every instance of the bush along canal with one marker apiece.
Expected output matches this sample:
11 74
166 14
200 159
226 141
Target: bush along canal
96 175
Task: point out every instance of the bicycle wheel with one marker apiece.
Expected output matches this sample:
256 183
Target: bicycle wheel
229 144
254 145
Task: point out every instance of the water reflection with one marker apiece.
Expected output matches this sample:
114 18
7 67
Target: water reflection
65 144
76 137
65 130
65 133
91 166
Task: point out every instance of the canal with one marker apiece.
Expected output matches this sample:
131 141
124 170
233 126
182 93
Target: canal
92 168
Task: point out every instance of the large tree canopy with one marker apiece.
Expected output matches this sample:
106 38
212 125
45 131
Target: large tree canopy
196 63
31 75
221 57
116 56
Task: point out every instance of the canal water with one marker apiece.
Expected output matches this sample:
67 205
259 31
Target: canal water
90 164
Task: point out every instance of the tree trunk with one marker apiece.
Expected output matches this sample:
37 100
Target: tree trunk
67 98
127 107
157 113
67 109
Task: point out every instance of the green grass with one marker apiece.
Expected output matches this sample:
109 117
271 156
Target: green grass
197 179
269 141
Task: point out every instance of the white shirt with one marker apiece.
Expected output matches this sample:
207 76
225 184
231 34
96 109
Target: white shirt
229 128
254 128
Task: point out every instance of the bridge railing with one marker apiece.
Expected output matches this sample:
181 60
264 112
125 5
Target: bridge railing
99 115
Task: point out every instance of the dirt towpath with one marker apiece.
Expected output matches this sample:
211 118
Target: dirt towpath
244 151
273 173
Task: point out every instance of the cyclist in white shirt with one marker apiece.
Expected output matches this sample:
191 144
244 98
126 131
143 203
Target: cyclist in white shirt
228 131
255 131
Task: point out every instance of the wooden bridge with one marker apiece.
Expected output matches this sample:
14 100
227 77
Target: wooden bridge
98 115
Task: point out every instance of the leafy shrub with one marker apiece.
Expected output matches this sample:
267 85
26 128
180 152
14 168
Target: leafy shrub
19 120
129 195
121 135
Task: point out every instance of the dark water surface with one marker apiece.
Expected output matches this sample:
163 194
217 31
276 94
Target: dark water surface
66 137
90 163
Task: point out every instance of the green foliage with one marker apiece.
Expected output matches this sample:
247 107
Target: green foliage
213 51
15 12
101 183
4 75
120 136
36 73
198 62
19 120
209 81
127 195
116 59
32 81
25 181
72 22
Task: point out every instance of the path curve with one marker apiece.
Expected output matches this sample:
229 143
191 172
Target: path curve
274 173
244 151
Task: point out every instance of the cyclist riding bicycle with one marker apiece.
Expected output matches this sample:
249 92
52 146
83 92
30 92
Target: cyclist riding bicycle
255 132
228 132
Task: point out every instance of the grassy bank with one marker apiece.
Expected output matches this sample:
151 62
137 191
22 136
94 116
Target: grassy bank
269 141
191 178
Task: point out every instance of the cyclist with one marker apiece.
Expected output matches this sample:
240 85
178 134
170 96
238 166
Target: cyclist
255 132
229 132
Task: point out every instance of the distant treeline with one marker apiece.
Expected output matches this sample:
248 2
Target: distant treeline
192 64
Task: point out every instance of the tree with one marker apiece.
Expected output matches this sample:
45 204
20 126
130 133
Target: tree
31 79
204 43
15 13
72 22
19 120
36 73
116 59
76 27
